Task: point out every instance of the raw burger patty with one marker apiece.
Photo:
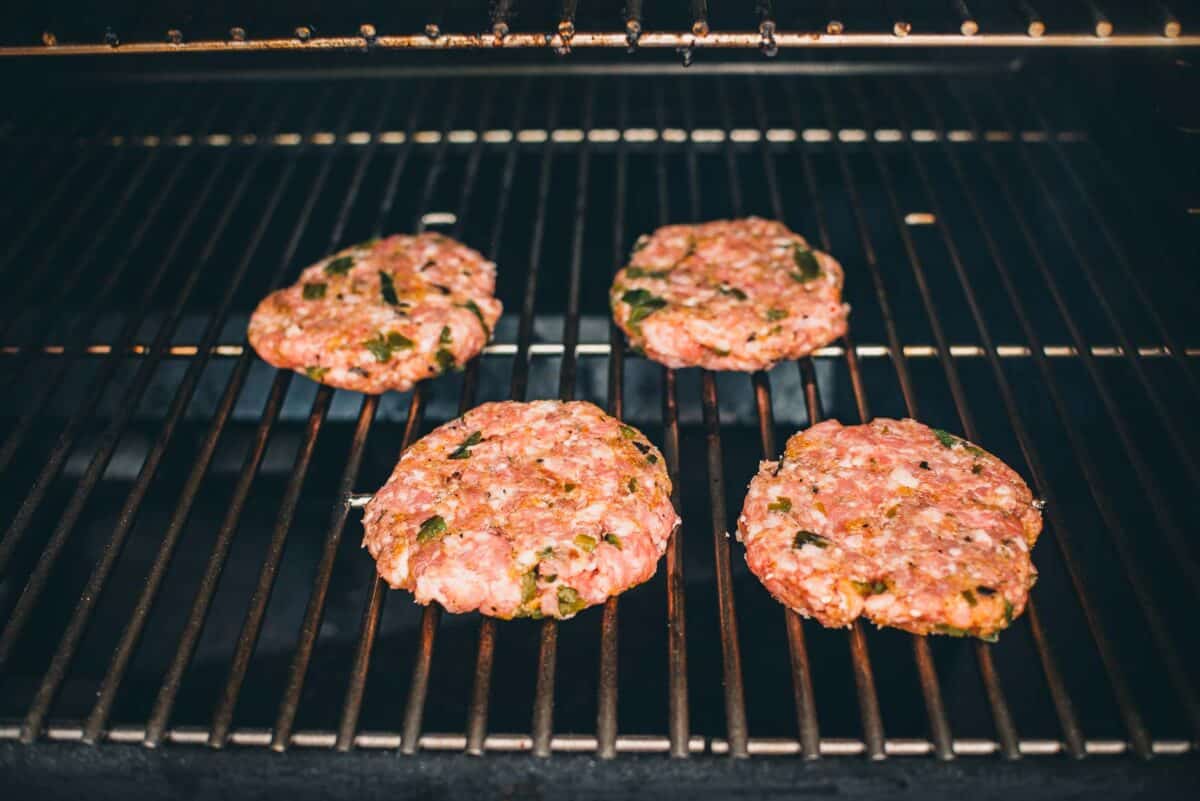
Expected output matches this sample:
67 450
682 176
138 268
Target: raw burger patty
906 525
523 510
728 295
381 315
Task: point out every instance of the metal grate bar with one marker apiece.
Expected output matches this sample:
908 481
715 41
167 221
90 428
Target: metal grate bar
165 700
1177 351
48 380
735 702
543 703
414 709
939 723
864 678
477 716
542 349
566 385
1181 550
131 636
369 628
1074 740
77 626
699 36
443 154
107 446
418 689
566 24
802 687
700 17
289 704
1158 504
543 698
606 692
317 739
923 657
1001 714
430 616
678 711
485 654
930 688
356 687
93 145
1139 171
1153 616
864 675
257 609
731 660
1127 707
1177 440
1035 26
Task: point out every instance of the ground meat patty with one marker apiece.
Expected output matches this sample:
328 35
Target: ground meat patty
381 315
907 525
728 295
523 510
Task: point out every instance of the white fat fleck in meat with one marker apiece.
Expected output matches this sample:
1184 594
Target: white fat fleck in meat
903 478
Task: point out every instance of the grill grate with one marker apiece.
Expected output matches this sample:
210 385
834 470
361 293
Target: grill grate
65 28
152 508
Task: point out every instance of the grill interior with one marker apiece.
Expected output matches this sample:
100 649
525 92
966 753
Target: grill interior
180 560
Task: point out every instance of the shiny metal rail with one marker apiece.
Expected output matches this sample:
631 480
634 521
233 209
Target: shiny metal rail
655 40
541 349
500 743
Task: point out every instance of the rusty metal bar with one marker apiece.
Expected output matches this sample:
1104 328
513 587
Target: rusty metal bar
543 696
731 660
1121 256
864 679
168 690
481 685
1001 714
48 381
1184 556
500 37
678 713
606 692
257 609
373 610
802 687
418 690
109 439
80 206
71 637
543 699
313 615
131 636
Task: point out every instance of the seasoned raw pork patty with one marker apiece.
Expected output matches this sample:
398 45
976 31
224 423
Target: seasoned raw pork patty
523 510
381 315
907 525
728 295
